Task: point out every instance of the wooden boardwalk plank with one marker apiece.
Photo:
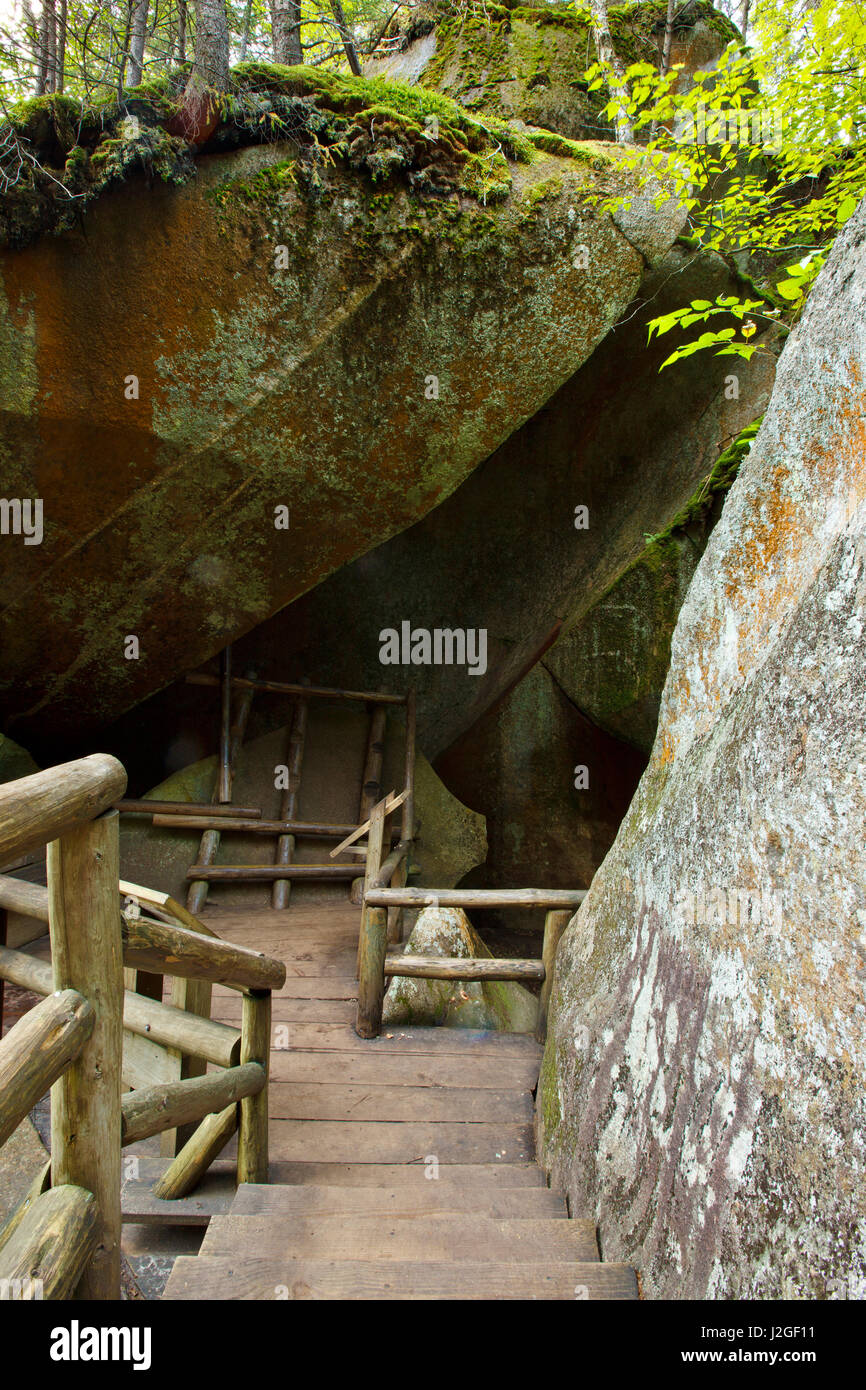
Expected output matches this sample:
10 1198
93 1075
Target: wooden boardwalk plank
475 1105
421 1042
403 1070
443 1197
342 1141
264 1279
373 1238
472 1177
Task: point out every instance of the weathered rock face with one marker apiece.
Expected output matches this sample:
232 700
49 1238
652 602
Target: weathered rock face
451 841
503 553
527 62
500 1004
703 1084
268 335
552 786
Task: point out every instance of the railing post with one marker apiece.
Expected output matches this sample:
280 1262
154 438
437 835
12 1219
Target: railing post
373 940
253 1126
555 924
400 877
86 950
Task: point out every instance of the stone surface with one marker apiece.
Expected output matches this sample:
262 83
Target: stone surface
527 62
499 1004
518 766
502 553
22 1158
260 386
15 761
702 1092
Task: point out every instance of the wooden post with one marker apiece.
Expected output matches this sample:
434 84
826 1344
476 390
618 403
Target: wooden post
375 840
555 924
210 1138
210 840
373 940
371 780
400 877
371 972
282 887
195 995
253 1128
83 872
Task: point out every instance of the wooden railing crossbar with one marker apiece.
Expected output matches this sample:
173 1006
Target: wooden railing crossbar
69 1236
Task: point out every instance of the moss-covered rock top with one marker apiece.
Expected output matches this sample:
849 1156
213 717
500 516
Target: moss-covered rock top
529 62
381 128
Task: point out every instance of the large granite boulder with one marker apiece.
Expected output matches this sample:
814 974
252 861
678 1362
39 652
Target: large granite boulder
495 1004
702 1093
527 62
342 325
503 553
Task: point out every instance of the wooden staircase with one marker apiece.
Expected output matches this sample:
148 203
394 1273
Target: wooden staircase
402 1167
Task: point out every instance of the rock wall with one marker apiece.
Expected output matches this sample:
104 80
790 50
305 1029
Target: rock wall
502 553
527 62
702 1092
276 331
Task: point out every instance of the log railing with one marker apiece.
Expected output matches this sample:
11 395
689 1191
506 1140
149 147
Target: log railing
376 965
89 1037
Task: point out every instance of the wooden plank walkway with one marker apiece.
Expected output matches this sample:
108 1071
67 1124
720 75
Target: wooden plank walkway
401 1168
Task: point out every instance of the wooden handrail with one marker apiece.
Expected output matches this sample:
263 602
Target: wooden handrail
38 1050
54 1241
369 697
463 968
37 809
156 1108
399 854
147 1018
475 897
152 945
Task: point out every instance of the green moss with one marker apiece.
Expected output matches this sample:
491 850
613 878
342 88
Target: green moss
719 481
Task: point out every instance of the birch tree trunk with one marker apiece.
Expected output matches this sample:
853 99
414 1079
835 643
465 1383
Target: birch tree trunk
616 82
137 33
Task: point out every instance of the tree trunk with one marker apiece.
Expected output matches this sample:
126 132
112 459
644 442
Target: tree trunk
181 32
743 17
348 43
669 35
210 69
286 31
616 82
245 31
61 47
137 33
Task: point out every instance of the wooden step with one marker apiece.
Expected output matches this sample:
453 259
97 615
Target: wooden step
470 1105
438 1072
266 873
471 1176
414 1238
225 1277
343 1141
408 1042
441 1197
